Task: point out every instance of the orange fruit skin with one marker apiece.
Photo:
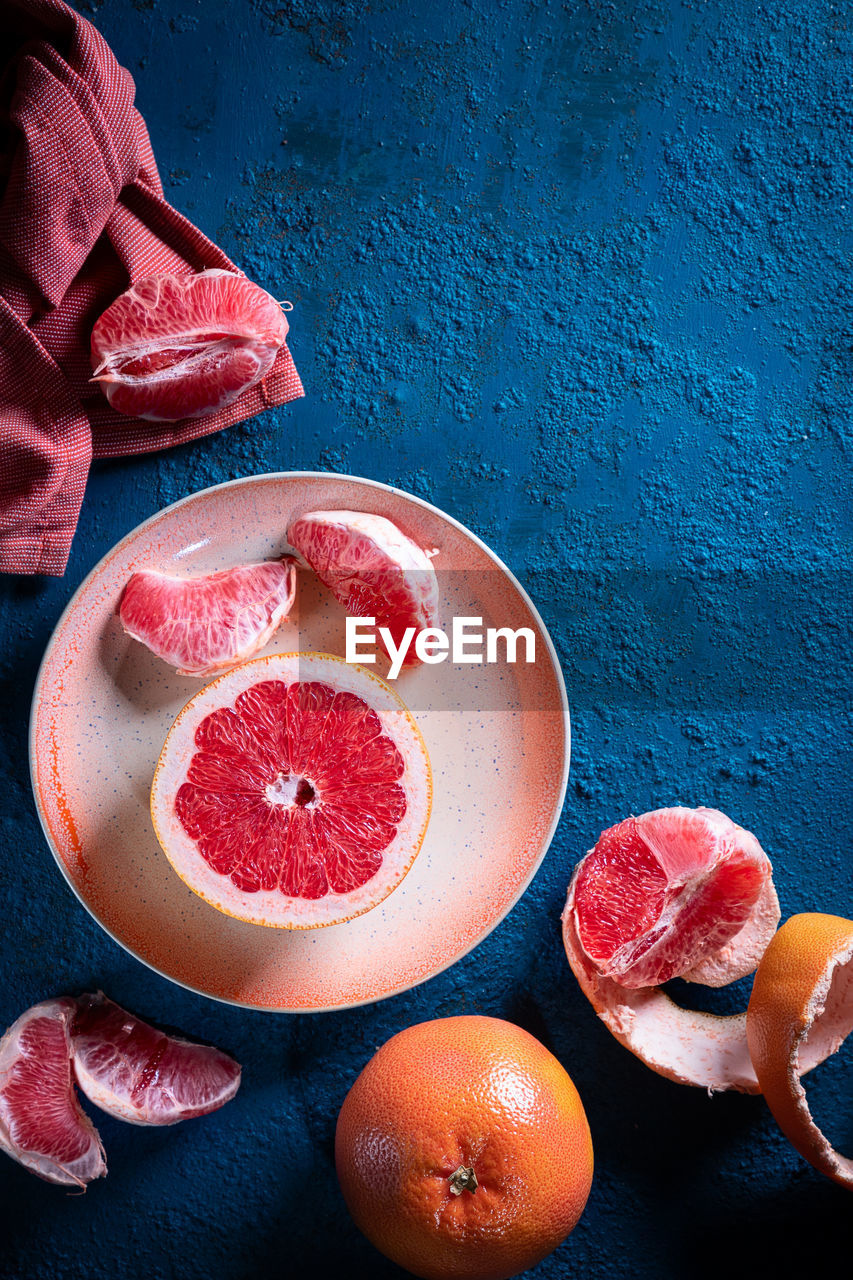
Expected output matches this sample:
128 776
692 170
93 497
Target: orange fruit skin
475 1092
780 1013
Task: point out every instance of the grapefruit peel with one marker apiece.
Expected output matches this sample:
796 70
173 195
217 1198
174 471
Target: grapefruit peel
270 907
800 1012
211 623
686 1046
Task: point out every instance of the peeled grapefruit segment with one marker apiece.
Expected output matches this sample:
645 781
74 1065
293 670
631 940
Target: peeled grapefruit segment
204 625
139 1074
294 791
800 1012
661 893
42 1125
371 568
674 893
174 347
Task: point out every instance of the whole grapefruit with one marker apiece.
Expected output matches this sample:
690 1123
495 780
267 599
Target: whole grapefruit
463 1150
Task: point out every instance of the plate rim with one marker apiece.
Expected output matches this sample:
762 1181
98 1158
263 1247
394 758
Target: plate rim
548 835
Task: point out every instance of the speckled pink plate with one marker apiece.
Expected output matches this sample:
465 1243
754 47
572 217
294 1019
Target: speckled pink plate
497 735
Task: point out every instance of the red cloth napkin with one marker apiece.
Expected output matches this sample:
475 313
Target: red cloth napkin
82 215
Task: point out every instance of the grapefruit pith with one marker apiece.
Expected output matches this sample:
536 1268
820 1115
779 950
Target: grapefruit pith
463 1150
674 893
173 347
207 624
371 568
800 1012
294 791
42 1125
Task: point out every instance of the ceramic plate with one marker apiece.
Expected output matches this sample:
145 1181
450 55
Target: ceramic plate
497 735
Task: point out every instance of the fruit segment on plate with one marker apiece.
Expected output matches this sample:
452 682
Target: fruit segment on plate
371 568
173 347
674 893
463 1150
800 1012
125 1066
208 624
294 791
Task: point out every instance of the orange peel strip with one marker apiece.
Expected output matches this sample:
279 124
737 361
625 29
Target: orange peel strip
800 1012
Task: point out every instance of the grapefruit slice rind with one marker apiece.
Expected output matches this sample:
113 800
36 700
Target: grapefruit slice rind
293 792
800 1012
372 569
207 624
42 1125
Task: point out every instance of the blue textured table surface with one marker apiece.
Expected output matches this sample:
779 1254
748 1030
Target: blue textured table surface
579 273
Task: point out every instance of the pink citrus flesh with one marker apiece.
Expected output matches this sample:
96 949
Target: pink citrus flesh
137 1073
174 347
294 791
661 893
42 1125
372 569
208 624
674 893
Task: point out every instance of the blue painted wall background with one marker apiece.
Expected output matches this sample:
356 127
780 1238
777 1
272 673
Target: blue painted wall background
580 274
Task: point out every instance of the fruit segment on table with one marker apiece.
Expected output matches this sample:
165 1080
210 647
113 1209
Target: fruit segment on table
126 1067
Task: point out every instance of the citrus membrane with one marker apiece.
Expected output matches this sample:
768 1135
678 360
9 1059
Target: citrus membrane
294 791
372 569
207 624
800 1012
674 893
137 1073
173 347
42 1125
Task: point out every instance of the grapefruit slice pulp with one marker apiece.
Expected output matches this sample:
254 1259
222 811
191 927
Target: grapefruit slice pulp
294 791
174 347
137 1073
42 1125
371 568
207 624
674 893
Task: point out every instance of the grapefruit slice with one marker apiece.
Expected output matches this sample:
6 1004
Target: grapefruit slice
204 625
294 791
800 1012
174 347
674 893
372 569
139 1074
42 1125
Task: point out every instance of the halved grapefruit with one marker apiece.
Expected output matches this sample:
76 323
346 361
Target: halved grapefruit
800 1012
174 347
42 1125
372 568
294 791
674 893
137 1073
208 624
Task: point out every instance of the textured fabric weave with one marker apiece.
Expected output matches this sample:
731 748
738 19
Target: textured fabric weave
82 215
